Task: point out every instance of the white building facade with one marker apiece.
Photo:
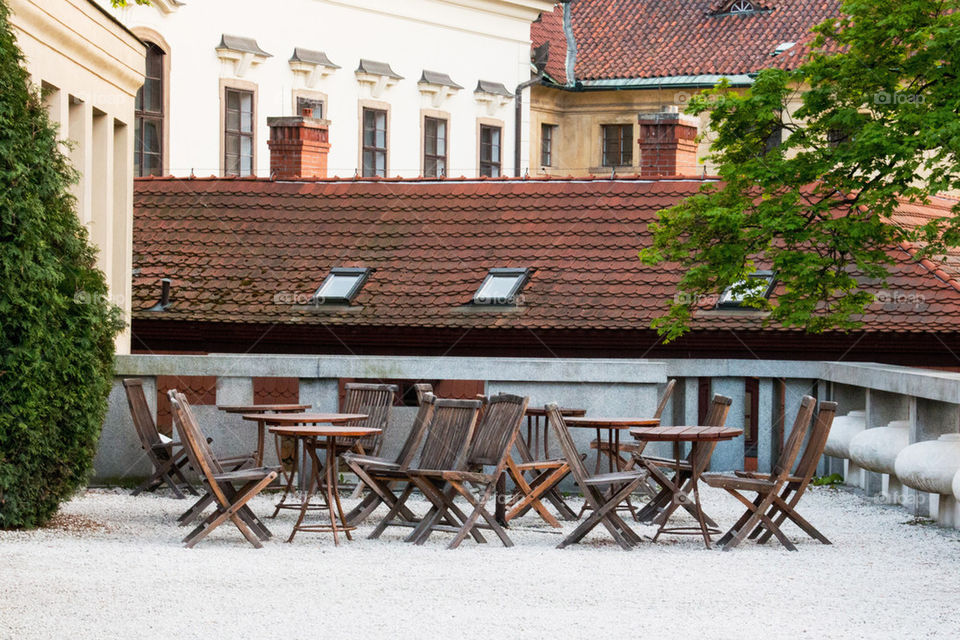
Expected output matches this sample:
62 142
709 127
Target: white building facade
409 87
89 68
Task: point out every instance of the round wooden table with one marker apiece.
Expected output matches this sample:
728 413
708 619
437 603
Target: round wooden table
293 461
537 430
261 425
309 433
703 440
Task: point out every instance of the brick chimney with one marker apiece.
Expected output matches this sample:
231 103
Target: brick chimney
668 143
298 146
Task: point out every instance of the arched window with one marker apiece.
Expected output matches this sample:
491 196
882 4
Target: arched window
148 142
742 6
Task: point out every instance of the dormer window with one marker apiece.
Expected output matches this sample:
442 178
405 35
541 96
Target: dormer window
501 286
759 283
341 286
741 6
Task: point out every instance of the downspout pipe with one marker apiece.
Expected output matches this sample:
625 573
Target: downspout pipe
517 118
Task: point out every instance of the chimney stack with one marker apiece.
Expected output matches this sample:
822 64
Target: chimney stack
298 146
668 143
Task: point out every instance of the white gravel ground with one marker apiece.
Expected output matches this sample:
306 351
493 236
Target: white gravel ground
112 567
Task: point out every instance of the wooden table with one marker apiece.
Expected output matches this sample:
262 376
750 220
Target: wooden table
290 464
703 440
537 429
261 425
308 428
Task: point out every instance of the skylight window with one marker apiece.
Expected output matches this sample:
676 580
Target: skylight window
759 283
340 286
501 286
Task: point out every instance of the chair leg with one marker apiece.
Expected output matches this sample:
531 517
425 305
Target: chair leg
479 510
229 511
789 511
392 514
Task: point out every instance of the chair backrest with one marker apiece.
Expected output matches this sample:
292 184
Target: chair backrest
420 423
667 392
791 447
502 416
567 447
142 417
449 433
817 441
375 400
422 389
198 451
718 411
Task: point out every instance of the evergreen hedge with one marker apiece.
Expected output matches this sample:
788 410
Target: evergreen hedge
57 325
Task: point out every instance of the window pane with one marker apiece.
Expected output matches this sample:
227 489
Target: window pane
151 136
497 288
152 95
233 120
232 143
246 120
368 169
441 169
151 164
381 164
233 100
337 286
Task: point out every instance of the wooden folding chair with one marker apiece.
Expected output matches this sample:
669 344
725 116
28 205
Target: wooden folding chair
167 456
503 415
230 500
376 401
604 507
379 473
767 490
655 510
448 435
802 477
784 506
546 476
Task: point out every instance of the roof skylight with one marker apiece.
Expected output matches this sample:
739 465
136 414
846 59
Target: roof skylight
759 283
501 286
341 285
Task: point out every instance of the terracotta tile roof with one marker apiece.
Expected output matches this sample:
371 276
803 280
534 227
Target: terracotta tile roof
248 250
549 28
665 38
914 215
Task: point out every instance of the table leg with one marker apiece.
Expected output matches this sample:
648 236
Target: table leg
310 448
289 472
334 475
261 435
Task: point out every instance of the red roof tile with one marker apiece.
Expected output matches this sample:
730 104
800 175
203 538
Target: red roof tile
549 28
664 38
249 250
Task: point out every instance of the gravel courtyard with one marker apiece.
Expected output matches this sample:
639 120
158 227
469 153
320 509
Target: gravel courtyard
111 566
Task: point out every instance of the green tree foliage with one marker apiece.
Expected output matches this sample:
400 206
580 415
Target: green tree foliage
879 98
57 326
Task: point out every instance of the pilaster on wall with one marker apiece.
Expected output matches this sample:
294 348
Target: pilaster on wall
730 453
766 446
882 408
